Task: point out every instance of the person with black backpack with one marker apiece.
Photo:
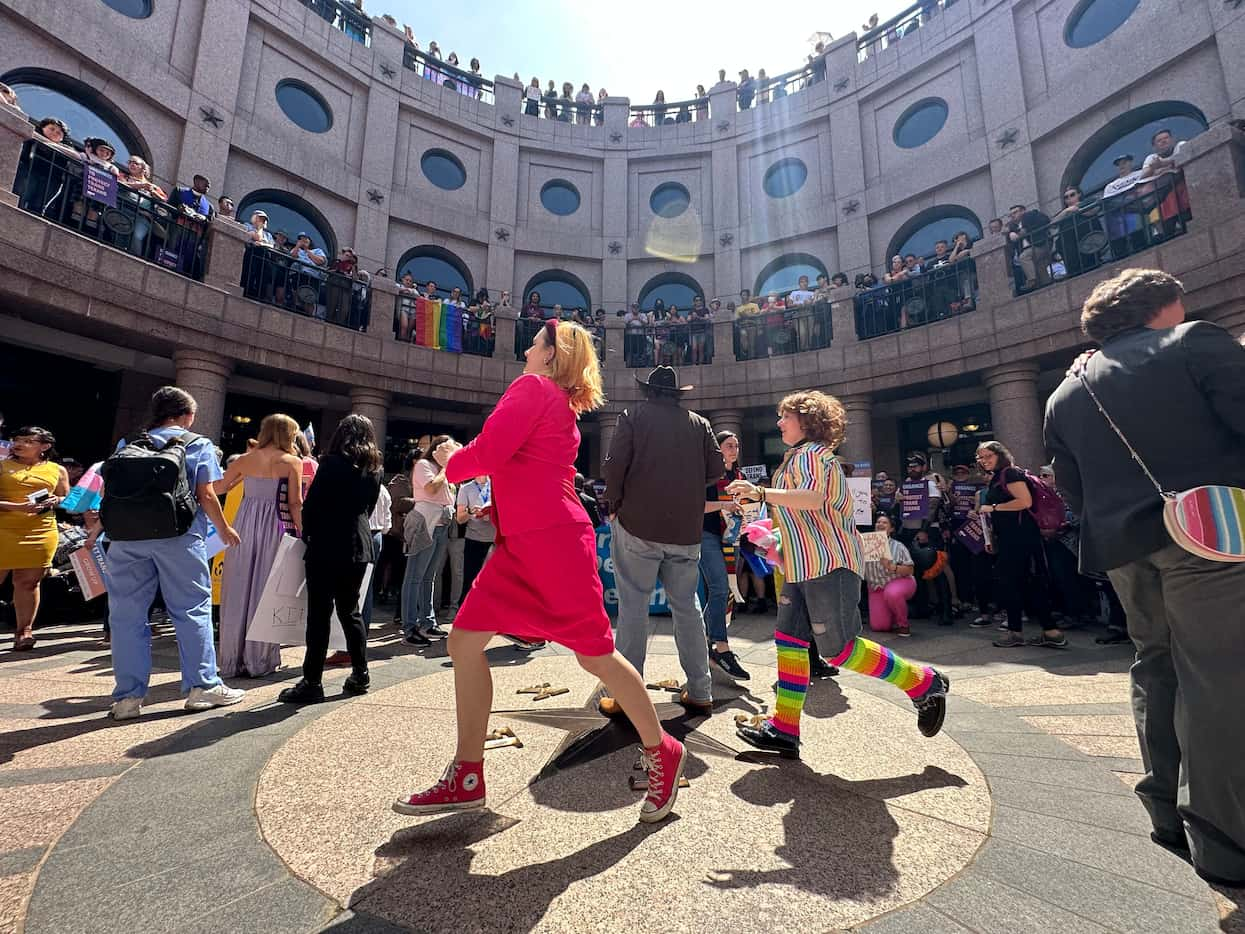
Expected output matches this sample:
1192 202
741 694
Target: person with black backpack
157 501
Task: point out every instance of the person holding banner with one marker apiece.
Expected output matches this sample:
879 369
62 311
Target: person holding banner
31 486
338 534
823 562
541 581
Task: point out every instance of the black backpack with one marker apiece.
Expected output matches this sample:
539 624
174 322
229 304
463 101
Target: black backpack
146 493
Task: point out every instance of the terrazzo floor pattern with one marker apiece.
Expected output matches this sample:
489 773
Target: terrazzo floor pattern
260 817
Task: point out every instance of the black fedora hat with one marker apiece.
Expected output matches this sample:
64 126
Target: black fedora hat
663 378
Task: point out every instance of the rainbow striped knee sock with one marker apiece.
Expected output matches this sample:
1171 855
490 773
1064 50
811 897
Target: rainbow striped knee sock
877 661
793 667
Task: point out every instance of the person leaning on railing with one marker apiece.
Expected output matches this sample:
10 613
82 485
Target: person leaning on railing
137 177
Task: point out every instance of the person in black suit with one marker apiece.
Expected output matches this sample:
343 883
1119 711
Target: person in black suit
1176 390
339 549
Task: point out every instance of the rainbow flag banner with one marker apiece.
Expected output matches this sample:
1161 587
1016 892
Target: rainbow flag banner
421 321
438 325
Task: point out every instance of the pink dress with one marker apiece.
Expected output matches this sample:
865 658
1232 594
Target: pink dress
541 581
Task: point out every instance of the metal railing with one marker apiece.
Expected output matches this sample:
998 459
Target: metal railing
770 89
278 278
1102 231
563 109
526 329
52 183
676 342
443 326
344 16
657 114
455 79
782 331
943 292
897 27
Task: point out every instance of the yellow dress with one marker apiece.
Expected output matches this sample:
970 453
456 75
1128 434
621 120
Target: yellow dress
26 540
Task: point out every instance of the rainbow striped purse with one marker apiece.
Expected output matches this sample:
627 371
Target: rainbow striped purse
1207 521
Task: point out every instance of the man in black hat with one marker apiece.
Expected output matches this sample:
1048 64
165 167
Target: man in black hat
660 462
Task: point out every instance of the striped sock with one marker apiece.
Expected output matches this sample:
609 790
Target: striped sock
792 683
877 661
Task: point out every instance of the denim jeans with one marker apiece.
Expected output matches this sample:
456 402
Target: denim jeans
417 583
717 586
637 566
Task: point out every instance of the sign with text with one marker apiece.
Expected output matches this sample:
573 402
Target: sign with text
877 545
971 535
754 474
862 499
915 495
99 185
965 497
88 573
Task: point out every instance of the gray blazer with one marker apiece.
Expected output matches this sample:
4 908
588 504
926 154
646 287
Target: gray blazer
1178 395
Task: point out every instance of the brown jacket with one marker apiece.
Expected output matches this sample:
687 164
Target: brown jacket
660 462
400 493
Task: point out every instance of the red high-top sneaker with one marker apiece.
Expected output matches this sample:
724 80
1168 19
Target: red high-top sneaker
665 767
460 788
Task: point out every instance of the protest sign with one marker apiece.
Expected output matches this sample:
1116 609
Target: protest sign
915 497
965 494
281 615
88 572
877 545
99 185
971 535
862 499
754 474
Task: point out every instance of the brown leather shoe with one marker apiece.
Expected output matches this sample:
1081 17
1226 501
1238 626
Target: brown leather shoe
611 708
704 708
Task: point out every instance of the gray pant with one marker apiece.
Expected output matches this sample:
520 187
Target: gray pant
826 608
637 565
1184 617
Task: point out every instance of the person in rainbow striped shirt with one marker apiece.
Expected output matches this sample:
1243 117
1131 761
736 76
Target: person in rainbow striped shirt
823 562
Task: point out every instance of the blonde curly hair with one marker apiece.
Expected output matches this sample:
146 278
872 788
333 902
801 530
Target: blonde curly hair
822 417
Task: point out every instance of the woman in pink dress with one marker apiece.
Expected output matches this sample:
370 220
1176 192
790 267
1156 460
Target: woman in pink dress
541 582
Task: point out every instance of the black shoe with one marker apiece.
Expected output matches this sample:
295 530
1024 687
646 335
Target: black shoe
1175 843
931 707
771 740
417 638
357 683
302 693
728 662
436 632
817 666
1219 880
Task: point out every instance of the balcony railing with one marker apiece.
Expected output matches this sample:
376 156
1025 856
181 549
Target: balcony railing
344 16
779 332
1103 231
897 27
441 326
674 343
526 329
766 90
58 185
943 292
656 114
454 79
278 278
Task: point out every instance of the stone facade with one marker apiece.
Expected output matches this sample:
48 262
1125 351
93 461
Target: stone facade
1021 108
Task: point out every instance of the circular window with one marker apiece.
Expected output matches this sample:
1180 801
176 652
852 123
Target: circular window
920 123
443 169
1094 20
135 9
304 106
560 197
669 199
785 178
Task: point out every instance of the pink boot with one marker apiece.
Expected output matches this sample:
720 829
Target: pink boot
460 788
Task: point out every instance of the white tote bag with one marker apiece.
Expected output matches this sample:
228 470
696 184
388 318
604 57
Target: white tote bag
281 616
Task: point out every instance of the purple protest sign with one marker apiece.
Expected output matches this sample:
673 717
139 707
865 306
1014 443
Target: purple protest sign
965 497
971 535
915 495
99 185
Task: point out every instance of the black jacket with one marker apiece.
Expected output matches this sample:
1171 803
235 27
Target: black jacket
336 512
1178 395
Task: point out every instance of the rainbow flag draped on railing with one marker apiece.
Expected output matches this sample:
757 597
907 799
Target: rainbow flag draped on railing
438 325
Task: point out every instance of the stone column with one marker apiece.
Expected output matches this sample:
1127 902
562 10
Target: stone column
857 447
15 129
205 375
1015 412
727 420
227 243
374 403
724 165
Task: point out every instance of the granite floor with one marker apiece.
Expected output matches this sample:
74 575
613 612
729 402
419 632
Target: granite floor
1020 816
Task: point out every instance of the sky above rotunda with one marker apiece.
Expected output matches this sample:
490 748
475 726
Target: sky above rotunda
637 47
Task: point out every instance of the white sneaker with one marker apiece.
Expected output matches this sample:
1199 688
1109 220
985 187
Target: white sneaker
220 696
128 708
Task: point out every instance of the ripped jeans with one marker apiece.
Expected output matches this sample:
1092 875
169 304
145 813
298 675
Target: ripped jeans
825 607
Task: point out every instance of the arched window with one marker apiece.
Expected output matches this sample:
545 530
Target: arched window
673 288
45 93
920 233
290 215
436 264
558 287
1129 135
783 274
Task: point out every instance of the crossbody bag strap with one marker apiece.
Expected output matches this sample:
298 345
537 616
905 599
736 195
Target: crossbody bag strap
1116 428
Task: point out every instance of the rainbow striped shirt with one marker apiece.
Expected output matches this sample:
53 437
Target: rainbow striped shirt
816 541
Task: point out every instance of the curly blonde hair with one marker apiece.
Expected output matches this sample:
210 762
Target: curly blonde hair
822 417
576 367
